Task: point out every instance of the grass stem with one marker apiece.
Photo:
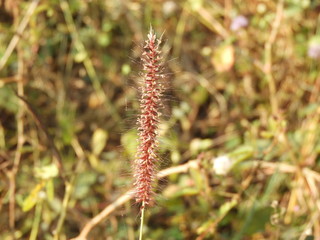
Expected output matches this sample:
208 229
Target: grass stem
141 221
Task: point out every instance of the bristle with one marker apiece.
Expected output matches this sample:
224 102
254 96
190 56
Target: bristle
150 102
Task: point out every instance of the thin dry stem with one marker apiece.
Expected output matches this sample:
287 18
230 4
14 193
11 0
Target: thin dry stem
268 57
14 41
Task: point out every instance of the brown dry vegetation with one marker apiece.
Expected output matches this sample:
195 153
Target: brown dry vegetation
68 106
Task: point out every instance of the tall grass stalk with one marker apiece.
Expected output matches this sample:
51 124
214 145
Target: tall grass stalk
148 122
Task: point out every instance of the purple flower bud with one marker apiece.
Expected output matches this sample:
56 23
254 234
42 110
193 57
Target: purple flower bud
239 22
314 51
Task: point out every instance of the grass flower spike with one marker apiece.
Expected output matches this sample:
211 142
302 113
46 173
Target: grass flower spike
150 102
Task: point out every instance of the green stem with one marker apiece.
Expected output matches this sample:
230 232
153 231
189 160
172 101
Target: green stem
67 195
141 220
36 221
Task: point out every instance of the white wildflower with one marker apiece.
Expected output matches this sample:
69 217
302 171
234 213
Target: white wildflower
222 165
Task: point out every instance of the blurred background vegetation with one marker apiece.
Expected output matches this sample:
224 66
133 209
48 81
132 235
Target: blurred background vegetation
242 99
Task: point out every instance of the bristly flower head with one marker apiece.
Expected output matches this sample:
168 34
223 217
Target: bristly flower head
150 101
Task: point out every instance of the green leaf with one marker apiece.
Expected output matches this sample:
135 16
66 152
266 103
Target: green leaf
260 218
8 100
66 118
204 226
197 145
83 184
188 191
31 200
223 211
125 69
241 153
47 172
226 207
200 95
175 156
129 142
93 160
104 39
99 140
198 178
80 56
309 237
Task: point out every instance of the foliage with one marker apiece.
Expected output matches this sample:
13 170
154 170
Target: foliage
249 93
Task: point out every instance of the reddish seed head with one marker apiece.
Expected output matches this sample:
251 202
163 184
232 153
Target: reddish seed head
150 102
